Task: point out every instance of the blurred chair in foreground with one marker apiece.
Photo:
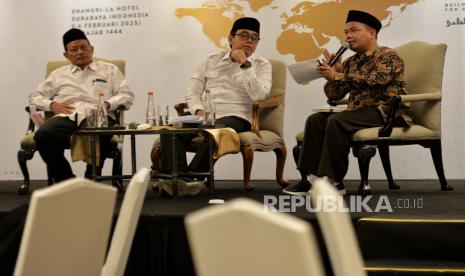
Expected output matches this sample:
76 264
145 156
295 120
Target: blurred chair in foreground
269 243
338 232
67 229
125 228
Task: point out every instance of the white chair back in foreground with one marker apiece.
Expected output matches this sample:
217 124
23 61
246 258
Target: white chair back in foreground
243 238
126 225
67 229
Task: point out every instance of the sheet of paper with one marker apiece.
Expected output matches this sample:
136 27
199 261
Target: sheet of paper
305 71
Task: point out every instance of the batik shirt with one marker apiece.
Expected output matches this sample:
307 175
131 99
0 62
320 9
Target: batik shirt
370 80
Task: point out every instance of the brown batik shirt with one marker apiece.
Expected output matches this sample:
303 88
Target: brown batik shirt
370 80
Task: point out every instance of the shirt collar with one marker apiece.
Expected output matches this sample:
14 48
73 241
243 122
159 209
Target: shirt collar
92 66
369 53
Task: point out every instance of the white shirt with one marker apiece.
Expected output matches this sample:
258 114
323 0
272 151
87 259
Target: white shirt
232 88
82 87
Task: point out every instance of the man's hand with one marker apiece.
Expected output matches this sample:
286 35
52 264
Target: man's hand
338 65
64 107
238 55
199 112
326 71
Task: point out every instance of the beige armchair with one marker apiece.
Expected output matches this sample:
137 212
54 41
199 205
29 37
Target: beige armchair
424 65
266 133
28 146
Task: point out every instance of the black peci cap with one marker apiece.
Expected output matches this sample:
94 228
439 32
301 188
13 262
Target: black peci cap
72 35
364 17
247 23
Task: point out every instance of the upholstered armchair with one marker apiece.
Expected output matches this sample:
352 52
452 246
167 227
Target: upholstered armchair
424 65
266 133
28 146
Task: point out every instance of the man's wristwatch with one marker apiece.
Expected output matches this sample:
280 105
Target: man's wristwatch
246 64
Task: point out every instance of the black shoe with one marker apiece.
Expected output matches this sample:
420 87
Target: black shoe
301 188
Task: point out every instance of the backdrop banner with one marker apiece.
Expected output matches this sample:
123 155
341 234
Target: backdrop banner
162 41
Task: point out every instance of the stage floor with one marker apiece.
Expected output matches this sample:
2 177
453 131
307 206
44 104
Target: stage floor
435 222
416 199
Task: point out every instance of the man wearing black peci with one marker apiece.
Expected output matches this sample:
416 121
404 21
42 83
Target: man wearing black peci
370 77
235 79
68 92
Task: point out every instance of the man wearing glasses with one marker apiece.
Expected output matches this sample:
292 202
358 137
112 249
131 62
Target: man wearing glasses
235 79
68 92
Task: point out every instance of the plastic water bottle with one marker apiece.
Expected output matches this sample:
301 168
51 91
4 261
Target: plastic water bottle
150 114
209 113
102 113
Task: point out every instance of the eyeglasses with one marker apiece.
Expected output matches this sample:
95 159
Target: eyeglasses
245 36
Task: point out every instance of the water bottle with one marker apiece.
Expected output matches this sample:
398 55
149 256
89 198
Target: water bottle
159 116
209 113
102 113
150 114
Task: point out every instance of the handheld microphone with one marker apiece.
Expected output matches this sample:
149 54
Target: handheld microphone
338 54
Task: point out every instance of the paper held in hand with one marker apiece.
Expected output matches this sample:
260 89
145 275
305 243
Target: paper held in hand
305 71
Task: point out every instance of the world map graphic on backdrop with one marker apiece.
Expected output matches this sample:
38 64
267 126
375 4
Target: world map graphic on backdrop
306 27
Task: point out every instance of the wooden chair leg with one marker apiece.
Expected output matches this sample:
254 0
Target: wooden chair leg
281 154
385 160
364 155
23 156
247 156
436 153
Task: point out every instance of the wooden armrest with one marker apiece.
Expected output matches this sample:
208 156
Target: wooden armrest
271 102
421 97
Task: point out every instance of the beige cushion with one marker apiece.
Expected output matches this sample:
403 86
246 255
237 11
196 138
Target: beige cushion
415 132
268 138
